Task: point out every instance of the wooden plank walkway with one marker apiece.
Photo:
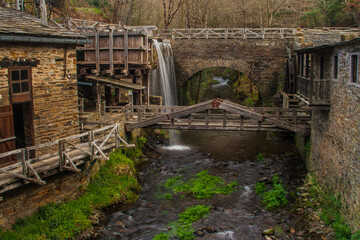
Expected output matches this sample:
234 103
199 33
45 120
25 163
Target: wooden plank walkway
217 114
66 154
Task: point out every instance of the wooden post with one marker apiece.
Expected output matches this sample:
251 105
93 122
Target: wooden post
42 9
207 118
61 154
117 140
259 125
97 52
139 113
189 120
241 122
126 50
111 51
98 97
311 77
224 119
295 116
172 121
23 160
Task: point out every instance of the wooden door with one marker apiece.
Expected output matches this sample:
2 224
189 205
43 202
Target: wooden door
7 134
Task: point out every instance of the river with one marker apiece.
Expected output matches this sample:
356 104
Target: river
230 155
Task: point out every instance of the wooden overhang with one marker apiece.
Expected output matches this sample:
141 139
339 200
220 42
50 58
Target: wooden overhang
116 83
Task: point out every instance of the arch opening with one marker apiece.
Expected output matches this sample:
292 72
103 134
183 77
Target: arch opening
219 82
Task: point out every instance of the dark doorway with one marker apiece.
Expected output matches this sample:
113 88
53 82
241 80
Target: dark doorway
23 124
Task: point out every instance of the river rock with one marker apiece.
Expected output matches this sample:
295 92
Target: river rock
209 229
269 231
200 233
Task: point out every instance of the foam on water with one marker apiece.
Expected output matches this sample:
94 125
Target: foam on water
176 148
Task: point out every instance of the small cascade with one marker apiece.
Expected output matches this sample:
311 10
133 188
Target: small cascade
164 77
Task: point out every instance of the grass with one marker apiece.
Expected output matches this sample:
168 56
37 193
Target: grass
260 157
331 212
273 198
115 182
202 186
181 229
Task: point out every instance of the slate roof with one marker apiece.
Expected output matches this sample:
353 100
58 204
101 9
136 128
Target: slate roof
13 22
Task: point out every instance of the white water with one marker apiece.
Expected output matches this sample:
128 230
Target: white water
221 81
164 78
176 148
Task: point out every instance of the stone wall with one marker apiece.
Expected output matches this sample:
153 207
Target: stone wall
26 200
335 136
262 60
54 83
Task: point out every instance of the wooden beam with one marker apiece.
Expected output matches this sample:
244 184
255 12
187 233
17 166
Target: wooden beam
97 52
111 52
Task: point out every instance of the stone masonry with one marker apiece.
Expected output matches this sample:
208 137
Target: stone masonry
54 84
262 60
335 136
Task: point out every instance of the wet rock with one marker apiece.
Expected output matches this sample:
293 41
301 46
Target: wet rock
269 231
292 231
200 233
209 229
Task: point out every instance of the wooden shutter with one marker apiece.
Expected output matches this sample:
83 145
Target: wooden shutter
7 134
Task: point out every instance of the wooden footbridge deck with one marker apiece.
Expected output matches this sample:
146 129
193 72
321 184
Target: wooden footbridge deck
67 154
216 114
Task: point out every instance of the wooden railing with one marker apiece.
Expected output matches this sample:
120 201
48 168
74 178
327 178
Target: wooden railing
314 91
69 154
225 33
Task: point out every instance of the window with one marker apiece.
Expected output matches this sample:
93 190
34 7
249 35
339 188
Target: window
335 67
354 68
20 84
322 67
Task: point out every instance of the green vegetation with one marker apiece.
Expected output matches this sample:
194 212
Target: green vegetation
260 157
115 182
181 229
273 198
331 212
202 186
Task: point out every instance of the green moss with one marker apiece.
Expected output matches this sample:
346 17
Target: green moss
260 157
273 198
202 186
114 182
181 229
331 211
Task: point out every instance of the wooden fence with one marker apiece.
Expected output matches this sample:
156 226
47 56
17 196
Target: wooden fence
72 152
226 33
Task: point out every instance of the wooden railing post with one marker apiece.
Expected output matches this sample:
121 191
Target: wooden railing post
224 119
241 122
61 154
117 140
207 118
23 161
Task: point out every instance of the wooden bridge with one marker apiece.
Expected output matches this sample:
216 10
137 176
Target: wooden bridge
67 154
216 114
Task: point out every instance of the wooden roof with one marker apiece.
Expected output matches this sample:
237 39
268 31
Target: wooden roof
13 22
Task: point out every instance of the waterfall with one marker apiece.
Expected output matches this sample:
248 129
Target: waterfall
164 76
164 79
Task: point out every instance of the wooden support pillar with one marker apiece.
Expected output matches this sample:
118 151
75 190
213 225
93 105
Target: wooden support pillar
189 121
259 125
97 52
172 121
312 63
148 89
139 113
241 122
23 162
98 98
111 52
126 51
117 95
107 96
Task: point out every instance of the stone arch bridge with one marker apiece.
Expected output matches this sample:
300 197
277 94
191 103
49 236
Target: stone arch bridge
257 53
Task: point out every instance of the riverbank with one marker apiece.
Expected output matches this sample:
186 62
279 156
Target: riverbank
115 182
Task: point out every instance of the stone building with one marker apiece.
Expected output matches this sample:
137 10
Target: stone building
38 84
328 81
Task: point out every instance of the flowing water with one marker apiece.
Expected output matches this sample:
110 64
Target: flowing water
163 78
230 155
222 89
